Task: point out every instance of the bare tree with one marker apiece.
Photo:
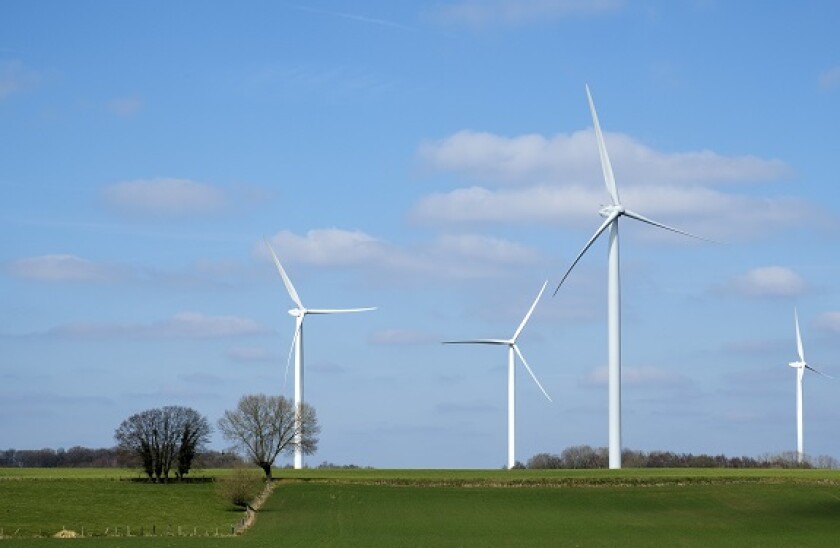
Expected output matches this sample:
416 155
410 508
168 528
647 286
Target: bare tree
264 426
164 437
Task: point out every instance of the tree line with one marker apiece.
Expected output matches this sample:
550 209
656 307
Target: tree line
102 457
173 439
584 456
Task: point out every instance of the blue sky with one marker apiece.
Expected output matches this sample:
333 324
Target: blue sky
436 160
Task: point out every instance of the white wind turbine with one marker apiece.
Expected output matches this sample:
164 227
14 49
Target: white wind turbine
299 313
800 367
512 348
612 213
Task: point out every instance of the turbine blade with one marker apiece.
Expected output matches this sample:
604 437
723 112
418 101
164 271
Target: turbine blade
613 216
291 351
606 167
818 372
530 311
638 217
798 337
478 341
525 363
339 310
289 287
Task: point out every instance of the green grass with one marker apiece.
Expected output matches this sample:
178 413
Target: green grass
37 502
671 507
781 514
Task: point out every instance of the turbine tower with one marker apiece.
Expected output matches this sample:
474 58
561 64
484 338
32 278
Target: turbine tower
300 312
800 367
513 350
611 214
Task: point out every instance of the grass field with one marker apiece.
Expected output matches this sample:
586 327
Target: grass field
708 507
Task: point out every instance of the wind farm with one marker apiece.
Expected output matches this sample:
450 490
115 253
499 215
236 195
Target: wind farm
442 182
167 162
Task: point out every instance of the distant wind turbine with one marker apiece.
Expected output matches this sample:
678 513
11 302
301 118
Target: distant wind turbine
611 214
512 348
299 313
800 367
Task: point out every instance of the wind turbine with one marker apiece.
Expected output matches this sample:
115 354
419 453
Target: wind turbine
512 348
611 214
800 367
299 313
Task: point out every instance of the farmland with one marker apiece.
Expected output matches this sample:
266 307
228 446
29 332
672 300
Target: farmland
685 507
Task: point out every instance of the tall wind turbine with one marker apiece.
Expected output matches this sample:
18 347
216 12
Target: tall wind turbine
299 313
800 367
611 214
512 348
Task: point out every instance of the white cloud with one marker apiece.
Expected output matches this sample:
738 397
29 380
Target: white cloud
460 256
830 79
15 77
768 281
532 204
164 196
573 158
190 325
61 268
327 247
197 325
511 12
559 181
125 106
703 211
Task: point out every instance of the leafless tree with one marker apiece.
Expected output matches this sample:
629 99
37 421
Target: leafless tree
164 437
264 426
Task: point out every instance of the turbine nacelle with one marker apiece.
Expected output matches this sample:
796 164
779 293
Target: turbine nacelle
611 211
798 365
297 312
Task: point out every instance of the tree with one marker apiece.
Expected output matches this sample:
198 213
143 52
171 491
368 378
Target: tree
264 426
164 437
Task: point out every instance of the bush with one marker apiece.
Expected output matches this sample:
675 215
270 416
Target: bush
240 487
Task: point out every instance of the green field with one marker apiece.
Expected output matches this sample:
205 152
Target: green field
708 507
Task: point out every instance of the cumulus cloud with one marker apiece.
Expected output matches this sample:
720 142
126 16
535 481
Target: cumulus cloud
573 158
164 196
184 325
535 179
197 325
703 211
513 12
328 247
461 256
15 77
61 268
768 281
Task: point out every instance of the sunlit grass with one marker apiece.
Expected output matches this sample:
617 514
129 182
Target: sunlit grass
668 507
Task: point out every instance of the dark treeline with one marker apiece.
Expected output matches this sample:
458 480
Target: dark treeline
84 457
584 456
